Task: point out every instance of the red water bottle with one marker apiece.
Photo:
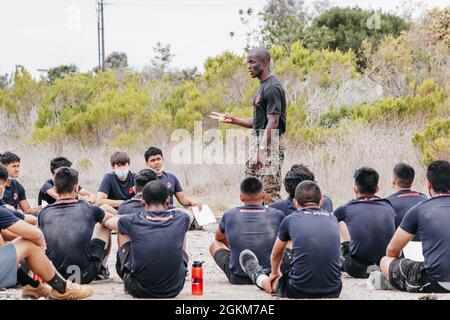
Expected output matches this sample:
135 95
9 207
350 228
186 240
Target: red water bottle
197 278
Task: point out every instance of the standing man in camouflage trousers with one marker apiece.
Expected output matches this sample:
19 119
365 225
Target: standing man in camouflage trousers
267 145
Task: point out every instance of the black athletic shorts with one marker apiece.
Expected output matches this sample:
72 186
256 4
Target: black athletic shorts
91 271
357 269
222 258
123 268
408 275
354 267
287 290
123 260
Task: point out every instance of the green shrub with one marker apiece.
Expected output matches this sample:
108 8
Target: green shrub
434 141
429 99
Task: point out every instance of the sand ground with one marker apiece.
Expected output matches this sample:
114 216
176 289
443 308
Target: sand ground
216 285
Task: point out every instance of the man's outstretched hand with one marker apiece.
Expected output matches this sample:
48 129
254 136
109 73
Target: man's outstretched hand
221 117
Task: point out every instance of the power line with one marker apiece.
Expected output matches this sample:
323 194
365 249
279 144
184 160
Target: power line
193 4
101 22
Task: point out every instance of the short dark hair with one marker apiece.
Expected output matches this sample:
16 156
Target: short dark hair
308 192
3 172
9 157
438 174
120 158
152 151
143 177
251 186
59 162
65 179
294 176
404 174
261 52
366 180
155 193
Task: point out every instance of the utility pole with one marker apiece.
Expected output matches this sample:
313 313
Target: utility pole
101 35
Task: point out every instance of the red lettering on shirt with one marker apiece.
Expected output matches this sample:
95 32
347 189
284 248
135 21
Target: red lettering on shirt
159 218
411 194
252 210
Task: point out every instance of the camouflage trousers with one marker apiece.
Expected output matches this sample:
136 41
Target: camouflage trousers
270 172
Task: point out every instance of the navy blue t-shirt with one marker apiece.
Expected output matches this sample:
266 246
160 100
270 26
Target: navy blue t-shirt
131 206
68 226
316 264
431 220
371 224
16 213
172 183
44 196
14 194
404 200
251 227
117 189
134 206
7 218
287 205
157 249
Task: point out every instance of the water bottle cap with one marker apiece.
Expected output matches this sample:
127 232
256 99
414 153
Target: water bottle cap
198 264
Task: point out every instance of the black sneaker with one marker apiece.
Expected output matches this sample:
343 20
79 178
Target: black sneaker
250 264
103 274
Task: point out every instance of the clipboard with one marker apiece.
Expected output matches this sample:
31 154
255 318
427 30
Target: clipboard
204 217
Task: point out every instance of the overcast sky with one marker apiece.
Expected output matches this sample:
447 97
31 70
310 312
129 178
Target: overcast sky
46 33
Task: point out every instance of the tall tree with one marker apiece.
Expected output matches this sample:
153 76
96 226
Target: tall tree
163 56
116 60
61 72
347 28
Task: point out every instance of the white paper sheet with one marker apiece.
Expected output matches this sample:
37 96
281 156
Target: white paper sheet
413 251
205 216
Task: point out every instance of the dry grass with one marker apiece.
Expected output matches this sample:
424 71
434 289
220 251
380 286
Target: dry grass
379 146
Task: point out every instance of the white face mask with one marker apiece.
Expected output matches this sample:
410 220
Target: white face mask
157 171
11 178
122 174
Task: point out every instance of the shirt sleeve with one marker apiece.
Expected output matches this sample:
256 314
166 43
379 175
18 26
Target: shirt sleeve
105 185
283 231
43 191
125 224
222 223
18 214
410 222
340 212
7 218
45 187
177 187
21 193
327 204
99 214
274 99
120 209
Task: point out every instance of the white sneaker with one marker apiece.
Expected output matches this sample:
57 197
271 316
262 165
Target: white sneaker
378 281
